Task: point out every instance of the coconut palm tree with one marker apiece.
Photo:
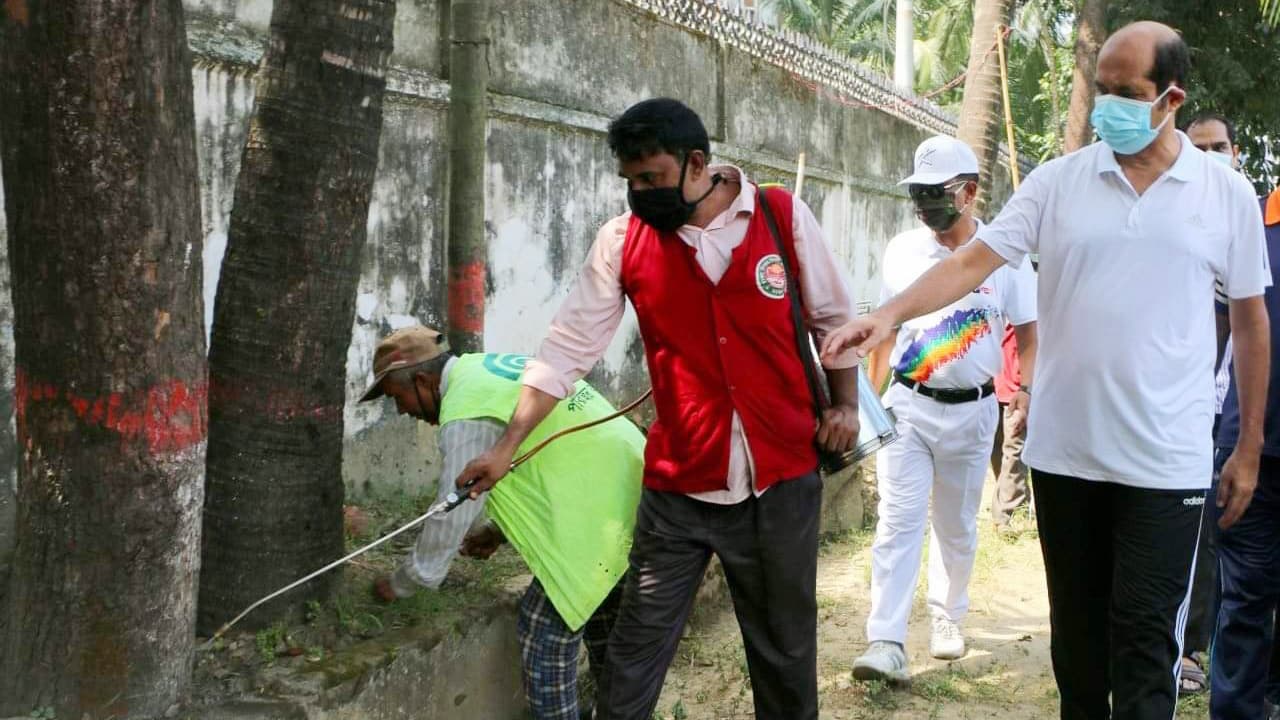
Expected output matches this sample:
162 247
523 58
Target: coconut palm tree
864 29
858 28
942 50
1271 12
1091 28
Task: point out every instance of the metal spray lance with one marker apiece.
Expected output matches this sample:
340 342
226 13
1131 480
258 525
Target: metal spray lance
450 502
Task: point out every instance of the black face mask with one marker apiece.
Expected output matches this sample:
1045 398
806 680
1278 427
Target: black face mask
935 205
665 209
939 216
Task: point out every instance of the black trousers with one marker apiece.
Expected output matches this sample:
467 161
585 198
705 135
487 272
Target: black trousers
1249 564
768 546
1118 561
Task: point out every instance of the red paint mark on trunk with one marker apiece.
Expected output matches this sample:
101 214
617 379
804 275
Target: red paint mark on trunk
17 11
466 297
21 396
168 417
79 404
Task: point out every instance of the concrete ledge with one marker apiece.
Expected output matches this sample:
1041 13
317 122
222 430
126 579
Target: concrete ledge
468 670
843 500
463 671
474 673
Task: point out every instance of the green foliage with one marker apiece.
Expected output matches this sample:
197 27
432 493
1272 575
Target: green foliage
1235 47
1235 57
44 713
853 27
268 639
942 49
1271 12
1040 96
1038 48
881 695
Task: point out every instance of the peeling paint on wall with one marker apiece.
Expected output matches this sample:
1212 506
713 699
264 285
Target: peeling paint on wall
224 104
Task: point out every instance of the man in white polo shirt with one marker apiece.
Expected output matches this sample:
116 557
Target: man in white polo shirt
943 395
1131 234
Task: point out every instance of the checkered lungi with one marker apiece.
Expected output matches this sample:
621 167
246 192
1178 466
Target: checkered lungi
549 650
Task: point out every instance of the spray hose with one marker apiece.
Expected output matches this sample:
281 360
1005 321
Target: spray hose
451 501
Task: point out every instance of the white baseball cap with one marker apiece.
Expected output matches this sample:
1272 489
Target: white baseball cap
941 158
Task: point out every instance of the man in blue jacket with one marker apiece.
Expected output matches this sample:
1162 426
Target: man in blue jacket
1249 550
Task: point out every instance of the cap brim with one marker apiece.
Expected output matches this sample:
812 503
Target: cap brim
375 389
927 178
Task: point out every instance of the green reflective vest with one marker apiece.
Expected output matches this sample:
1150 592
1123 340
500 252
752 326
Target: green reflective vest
570 510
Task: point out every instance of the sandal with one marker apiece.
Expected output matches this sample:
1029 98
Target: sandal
1192 680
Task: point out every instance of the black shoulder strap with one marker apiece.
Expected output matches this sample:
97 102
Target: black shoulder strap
816 391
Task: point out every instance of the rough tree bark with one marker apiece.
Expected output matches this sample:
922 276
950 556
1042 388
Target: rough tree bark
285 306
103 207
1091 30
980 110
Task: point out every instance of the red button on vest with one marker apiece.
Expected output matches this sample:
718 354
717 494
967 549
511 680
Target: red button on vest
714 349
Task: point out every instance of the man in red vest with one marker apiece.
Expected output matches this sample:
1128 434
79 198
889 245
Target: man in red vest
731 461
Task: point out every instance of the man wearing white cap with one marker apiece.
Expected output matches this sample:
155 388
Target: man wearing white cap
943 364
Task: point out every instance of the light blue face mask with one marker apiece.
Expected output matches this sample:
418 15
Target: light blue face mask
1224 158
1125 124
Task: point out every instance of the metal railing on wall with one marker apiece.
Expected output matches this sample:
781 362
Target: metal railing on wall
737 25
743 25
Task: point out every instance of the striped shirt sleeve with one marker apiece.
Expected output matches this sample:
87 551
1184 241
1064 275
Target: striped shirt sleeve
460 442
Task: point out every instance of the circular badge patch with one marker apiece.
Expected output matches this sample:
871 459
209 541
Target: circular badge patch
771 276
506 366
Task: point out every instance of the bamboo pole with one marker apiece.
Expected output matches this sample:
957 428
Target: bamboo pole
1008 111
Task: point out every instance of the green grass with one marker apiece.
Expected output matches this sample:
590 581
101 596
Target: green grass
352 614
881 695
938 687
852 540
1194 707
267 640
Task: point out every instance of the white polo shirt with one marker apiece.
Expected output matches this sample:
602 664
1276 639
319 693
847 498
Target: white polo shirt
959 345
1124 381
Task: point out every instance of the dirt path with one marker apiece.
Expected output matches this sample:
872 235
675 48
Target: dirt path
1006 673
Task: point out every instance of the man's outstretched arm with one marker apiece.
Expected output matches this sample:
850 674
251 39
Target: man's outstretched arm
489 467
942 285
578 336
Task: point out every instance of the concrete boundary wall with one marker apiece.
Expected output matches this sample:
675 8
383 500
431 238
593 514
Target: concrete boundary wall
560 69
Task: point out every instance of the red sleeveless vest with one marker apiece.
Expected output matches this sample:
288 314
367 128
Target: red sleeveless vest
714 349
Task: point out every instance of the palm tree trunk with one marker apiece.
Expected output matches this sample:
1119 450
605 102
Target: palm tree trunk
1091 29
980 110
285 306
103 206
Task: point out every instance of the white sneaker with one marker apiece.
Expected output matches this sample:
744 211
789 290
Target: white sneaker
946 642
884 661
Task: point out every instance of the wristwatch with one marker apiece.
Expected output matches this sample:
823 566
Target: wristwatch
1024 388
